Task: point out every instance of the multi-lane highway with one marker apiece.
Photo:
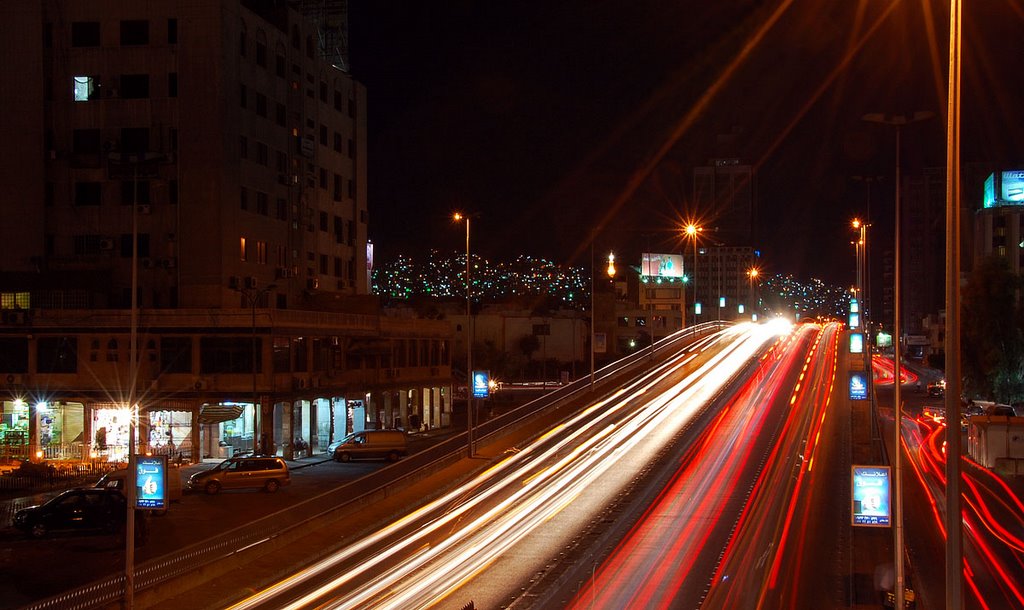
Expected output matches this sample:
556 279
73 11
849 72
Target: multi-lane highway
504 525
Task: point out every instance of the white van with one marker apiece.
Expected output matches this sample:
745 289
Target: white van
372 444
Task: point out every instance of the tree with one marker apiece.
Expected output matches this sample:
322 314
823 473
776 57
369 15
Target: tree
992 327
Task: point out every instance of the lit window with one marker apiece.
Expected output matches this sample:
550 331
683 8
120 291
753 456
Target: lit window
242 250
85 88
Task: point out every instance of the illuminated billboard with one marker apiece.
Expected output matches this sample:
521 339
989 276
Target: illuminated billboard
858 385
151 482
856 343
661 265
481 384
1004 188
871 496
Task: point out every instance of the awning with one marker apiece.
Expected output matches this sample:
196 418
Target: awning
217 413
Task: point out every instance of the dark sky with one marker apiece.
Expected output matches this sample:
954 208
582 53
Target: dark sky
556 119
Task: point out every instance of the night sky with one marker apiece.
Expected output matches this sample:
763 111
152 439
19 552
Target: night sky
557 120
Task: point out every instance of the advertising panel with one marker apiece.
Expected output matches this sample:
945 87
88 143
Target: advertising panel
858 385
151 482
854 320
600 343
988 198
481 384
1013 187
871 496
856 343
661 265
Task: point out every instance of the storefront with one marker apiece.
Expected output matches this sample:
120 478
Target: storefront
170 431
14 429
110 433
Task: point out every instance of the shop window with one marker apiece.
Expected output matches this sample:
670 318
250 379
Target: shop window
85 34
86 88
135 32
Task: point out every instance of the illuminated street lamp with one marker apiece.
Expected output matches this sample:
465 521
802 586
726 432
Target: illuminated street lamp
691 231
898 121
459 217
752 275
593 318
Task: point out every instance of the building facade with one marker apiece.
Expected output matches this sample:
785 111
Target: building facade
203 165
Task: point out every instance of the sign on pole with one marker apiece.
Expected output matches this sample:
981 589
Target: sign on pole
871 496
481 384
858 385
151 482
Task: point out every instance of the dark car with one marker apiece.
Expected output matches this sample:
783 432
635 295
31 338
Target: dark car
87 510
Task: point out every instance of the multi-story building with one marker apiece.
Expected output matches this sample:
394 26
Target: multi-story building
195 172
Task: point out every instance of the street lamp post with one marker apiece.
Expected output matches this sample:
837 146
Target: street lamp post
253 297
898 121
691 232
458 217
751 278
953 523
593 317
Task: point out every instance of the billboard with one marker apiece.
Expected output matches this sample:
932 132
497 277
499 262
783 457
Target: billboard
151 482
661 265
871 496
858 385
854 320
856 343
481 384
1003 188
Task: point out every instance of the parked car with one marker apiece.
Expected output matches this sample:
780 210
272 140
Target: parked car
372 444
251 472
84 510
937 388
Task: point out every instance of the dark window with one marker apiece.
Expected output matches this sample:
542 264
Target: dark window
172 135
172 31
282 161
85 34
351 149
261 204
90 244
280 116
323 92
279 66
282 209
134 32
352 189
323 264
47 35
282 356
172 84
301 359
323 178
49 194
229 355
57 355
86 141
310 47
134 86
176 355
262 154
337 142
337 101
129 192
323 135
126 245
243 96
261 105
135 139
261 54
243 42
13 355
323 224
172 191
337 266
88 193
296 44
337 187
243 200
243 147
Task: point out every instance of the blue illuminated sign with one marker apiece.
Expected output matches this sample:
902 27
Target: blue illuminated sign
858 385
871 496
151 482
856 343
696 309
481 384
854 320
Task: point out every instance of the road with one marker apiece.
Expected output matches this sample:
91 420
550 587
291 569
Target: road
482 538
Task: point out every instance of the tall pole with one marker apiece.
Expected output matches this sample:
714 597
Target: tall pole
897 400
255 374
953 520
129 487
593 316
470 400
898 121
